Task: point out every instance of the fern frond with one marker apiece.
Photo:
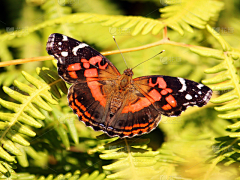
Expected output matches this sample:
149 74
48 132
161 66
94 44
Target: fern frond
132 24
226 80
23 114
69 121
194 14
6 169
134 159
7 78
55 9
181 15
61 119
226 152
187 160
55 82
69 176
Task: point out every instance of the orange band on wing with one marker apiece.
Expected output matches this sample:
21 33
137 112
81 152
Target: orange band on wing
73 74
94 60
127 133
146 129
94 86
143 102
160 81
142 125
86 65
97 59
84 61
155 95
80 105
78 112
128 127
169 90
91 73
164 92
140 104
166 107
170 99
74 67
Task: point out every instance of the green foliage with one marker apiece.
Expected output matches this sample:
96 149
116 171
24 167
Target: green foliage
179 16
22 114
40 136
133 159
76 175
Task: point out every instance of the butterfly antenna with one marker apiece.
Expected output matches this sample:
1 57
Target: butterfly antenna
149 59
120 51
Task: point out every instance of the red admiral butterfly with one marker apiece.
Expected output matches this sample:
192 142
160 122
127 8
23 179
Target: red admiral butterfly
115 103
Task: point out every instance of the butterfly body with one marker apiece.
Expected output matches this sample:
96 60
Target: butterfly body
116 103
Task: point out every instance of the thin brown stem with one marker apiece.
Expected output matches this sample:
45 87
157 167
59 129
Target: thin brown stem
165 33
161 42
26 60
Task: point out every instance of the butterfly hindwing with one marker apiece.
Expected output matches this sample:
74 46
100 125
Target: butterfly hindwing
133 118
88 109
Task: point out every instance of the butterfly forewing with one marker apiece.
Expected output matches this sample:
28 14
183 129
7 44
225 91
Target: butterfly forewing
78 61
172 95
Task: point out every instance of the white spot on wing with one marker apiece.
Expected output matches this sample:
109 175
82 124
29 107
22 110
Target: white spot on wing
51 42
199 92
60 48
75 49
200 86
64 53
183 82
65 38
59 43
207 96
188 97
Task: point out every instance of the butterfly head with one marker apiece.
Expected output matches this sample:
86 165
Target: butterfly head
128 72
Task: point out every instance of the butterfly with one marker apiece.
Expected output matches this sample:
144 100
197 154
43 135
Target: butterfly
115 103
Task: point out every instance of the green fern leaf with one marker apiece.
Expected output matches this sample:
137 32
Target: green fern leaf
133 24
23 112
134 160
181 14
55 82
69 176
227 79
54 9
176 18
